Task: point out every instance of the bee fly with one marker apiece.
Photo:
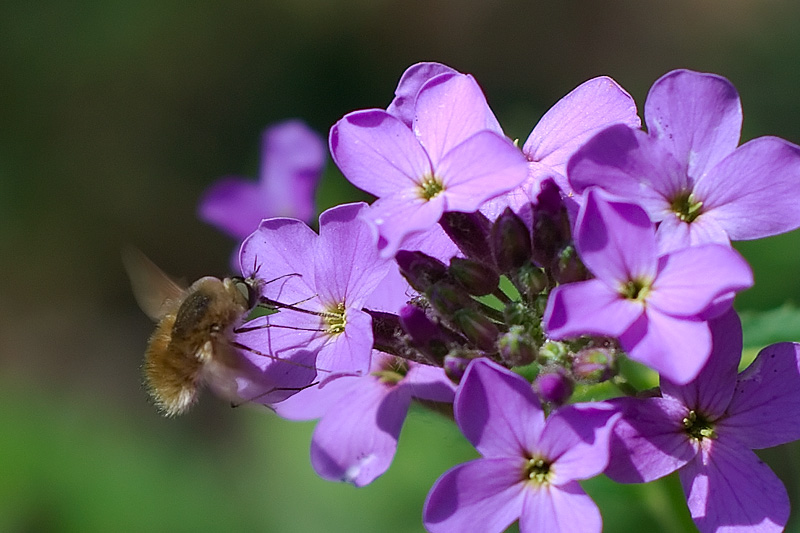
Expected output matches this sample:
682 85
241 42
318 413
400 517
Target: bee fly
191 345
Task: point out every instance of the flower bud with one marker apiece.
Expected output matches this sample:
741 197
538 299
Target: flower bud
427 337
386 332
477 328
516 347
551 227
477 278
553 388
447 298
470 232
594 364
455 366
420 270
511 241
568 267
530 280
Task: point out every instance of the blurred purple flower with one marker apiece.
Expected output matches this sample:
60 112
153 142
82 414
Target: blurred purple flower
292 160
655 305
361 416
688 173
321 282
453 158
707 428
530 466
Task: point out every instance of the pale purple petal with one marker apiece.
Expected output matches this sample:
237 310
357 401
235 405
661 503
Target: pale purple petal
729 489
588 308
400 216
234 205
765 409
357 439
559 509
278 336
755 191
615 240
281 254
409 85
497 410
630 164
590 107
314 402
575 438
689 280
450 109
483 166
392 293
676 348
348 267
674 234
650 440
698 116
349 351
434 242
377 153
292 159
711 391
482 495
430 383
269 381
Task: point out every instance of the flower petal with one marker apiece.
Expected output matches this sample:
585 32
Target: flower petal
711 391
426 382
482 495
590 107
576 439
689 280
765 409
292 159
698 116
377 153
628 163
234 205
348 267
350 350
559 509
615 239
450 109
409 85
281 254
485 165
755 191
357 439
728 488
649 441
401 216
588 308
497 410
676 348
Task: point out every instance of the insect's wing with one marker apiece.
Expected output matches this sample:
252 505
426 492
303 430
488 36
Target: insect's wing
155 292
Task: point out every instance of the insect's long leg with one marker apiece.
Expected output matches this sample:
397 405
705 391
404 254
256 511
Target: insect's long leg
241 346
270 391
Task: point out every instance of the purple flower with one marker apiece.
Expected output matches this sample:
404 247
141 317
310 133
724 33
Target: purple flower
587 109
361 416
292 160
452 159
530 466
655 305
688 173
707 428
321 282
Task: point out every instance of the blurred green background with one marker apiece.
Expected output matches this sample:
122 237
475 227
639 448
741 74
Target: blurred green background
114 117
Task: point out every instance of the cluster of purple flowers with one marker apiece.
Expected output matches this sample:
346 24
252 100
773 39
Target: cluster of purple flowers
594 241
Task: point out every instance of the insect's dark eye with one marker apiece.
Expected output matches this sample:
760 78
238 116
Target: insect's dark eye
249 289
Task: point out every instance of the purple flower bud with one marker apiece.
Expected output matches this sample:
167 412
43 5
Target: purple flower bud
386 332
455 366
477 278
511 241
531 280
477 328
568 267
516 347
553 387
551 227
426 335
420 270
470 232
594 364
447 298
